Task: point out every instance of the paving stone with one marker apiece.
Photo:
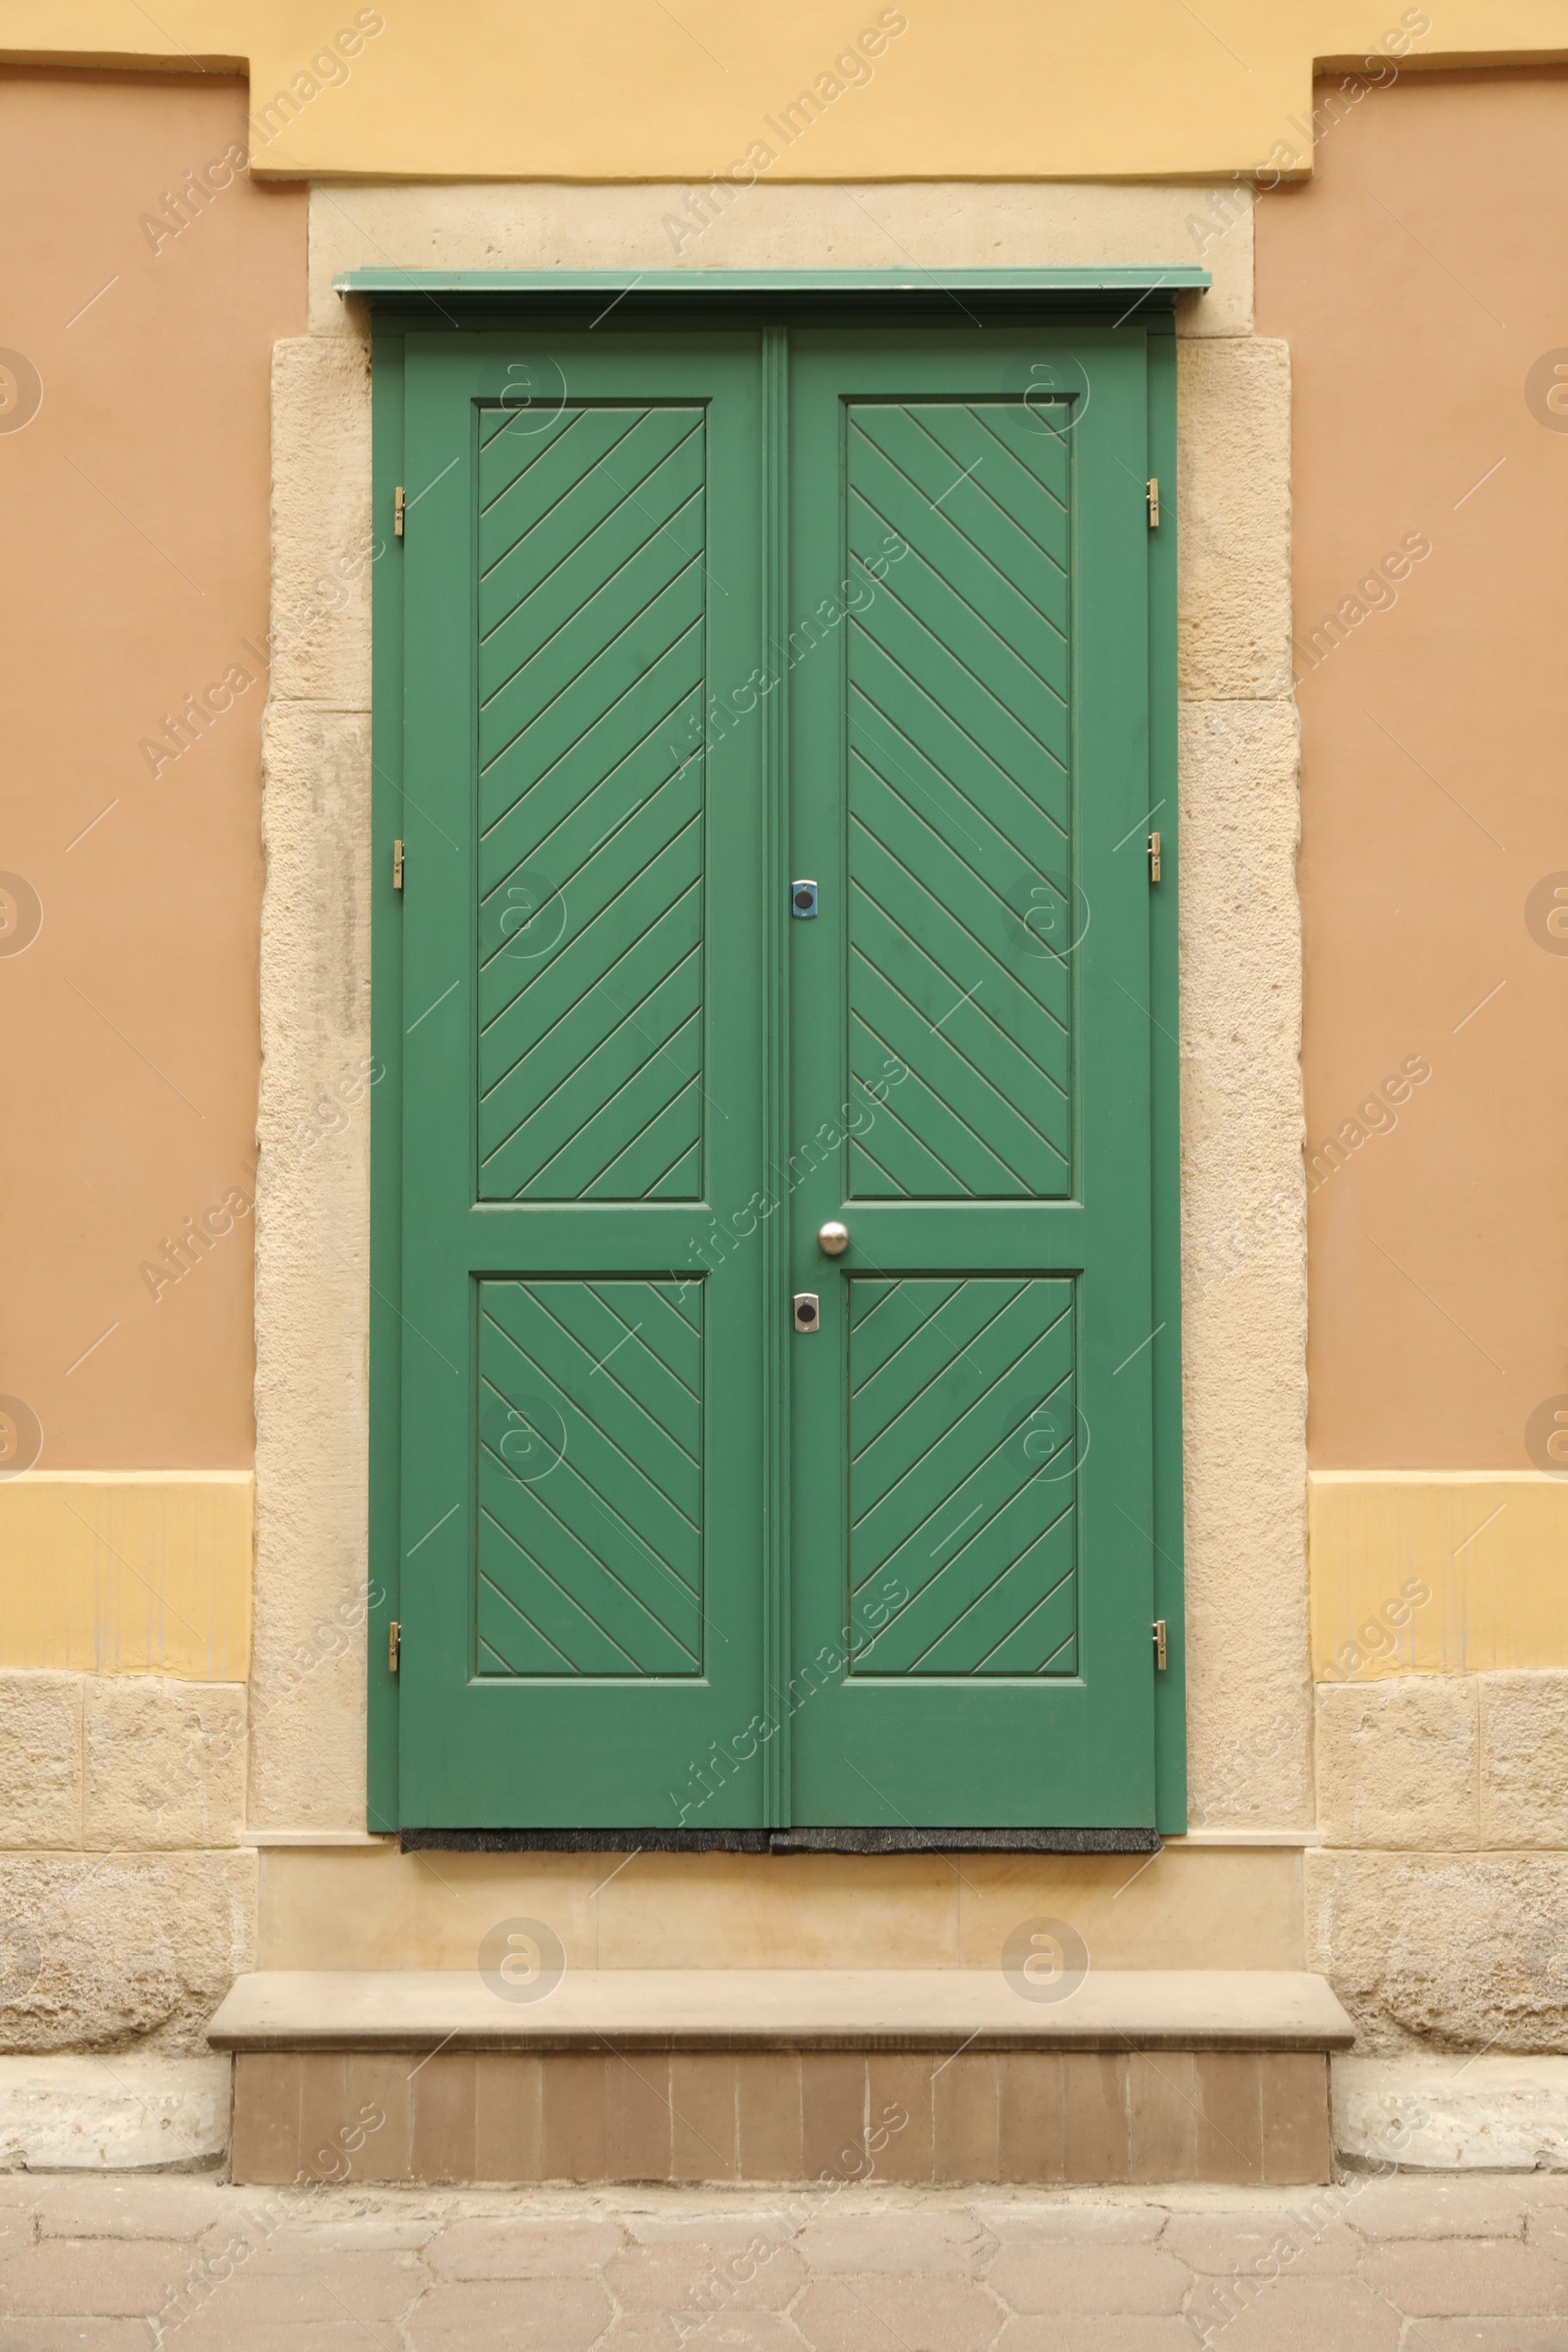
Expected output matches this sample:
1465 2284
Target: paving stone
327 2205
1017 2223
1087 2278
875 2313
1218 2301
1126 2331
525 2315
1491 2335
737 2331
527 2247
774 2221
883 2270
367 2232
75 2335
89 2206
498 2204
1313 2314
286 2284
1488 2277
72 2279
216 2334
729 2274
1484 2206
938 2239
1291 2241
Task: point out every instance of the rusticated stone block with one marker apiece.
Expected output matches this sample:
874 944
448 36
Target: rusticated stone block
1234 427
164 1762
40 1759
1456 1951
1397 1763
322 546
106 1951
1524 1747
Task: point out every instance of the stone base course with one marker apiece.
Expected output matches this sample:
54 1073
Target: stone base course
130 2113
1452 2114
1367 2266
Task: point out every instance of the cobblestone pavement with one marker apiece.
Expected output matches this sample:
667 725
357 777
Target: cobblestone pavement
1397 2265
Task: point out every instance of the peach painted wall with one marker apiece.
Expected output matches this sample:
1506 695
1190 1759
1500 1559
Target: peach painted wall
1420 283
133 573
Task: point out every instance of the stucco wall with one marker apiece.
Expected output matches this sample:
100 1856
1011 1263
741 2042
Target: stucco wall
134 513
134 598
1420 305
1432 758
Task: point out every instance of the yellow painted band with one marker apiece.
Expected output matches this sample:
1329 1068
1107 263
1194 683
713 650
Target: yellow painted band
128 1572
1422 1572
726 91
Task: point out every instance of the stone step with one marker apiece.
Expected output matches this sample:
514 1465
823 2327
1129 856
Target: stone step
778 2074
779 2009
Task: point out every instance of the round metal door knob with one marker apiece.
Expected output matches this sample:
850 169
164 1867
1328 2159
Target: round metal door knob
833 1239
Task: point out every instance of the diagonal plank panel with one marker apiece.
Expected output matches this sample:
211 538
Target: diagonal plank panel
961 858
590 1478
962 1477
591 670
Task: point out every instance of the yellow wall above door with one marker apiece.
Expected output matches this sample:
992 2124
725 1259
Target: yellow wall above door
1437 1572
631 89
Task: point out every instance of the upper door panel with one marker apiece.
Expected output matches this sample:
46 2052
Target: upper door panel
591 657
959 796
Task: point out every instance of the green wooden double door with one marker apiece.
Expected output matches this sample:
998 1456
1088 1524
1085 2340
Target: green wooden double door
701 1526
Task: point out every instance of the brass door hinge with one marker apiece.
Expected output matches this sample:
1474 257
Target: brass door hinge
1150 492
394 1646
1153 859
399 509
397 866
1161 1658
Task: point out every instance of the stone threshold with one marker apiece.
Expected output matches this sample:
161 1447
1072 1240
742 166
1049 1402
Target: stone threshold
782 1841
780 2009
595 1842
